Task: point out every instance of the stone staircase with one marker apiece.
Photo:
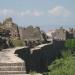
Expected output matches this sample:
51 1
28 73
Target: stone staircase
12 69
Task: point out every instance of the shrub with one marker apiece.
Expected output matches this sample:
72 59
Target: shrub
70 44
17 42
63 66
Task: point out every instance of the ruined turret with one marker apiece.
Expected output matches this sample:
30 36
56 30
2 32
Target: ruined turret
12 27
8 22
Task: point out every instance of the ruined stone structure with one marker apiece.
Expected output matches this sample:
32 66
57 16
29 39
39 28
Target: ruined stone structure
10 63
60 34
8 30
63 34
4 38
8 24
31 35
71 32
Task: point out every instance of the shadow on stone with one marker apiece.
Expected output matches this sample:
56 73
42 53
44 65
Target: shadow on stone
40 59
25 55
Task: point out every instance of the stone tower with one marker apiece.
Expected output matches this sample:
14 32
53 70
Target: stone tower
8 22
10 25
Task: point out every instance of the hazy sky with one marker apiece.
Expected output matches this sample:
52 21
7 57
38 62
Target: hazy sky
44 13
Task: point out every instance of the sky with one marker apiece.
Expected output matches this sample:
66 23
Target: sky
48 14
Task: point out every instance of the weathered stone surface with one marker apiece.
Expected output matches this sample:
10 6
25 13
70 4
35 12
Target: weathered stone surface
60 34
8 24
10 63
30 35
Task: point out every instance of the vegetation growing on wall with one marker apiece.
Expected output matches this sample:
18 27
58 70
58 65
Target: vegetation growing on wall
66 64
16 42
